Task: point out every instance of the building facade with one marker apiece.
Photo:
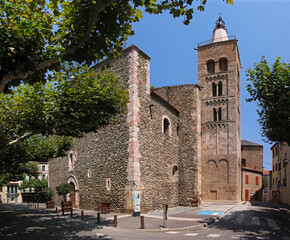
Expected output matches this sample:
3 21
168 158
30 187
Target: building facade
177 145
280 173
12 194
252 170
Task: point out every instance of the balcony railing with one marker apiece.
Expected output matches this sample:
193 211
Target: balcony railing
232 37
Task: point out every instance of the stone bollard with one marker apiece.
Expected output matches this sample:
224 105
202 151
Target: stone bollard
115 221
142 222
98 218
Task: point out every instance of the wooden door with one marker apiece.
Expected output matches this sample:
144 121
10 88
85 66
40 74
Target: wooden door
247 195
73 198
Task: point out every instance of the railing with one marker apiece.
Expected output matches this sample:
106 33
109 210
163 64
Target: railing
232 37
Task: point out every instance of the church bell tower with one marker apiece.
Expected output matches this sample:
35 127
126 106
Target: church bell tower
219 77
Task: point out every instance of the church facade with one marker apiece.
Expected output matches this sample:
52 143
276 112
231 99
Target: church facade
177 145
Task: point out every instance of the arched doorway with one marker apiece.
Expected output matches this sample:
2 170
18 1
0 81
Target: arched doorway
74 195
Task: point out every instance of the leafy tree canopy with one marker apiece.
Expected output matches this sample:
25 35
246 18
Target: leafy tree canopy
46 86
63 189
269 86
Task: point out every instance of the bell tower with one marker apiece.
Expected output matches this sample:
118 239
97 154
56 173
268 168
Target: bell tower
219 77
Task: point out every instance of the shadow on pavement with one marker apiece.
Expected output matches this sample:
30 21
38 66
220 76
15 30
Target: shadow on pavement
22 222
262 220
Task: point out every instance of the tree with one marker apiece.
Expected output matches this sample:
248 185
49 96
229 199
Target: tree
269 86
46 86
41 189
63 189
265 182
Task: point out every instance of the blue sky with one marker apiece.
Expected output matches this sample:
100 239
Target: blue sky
261 26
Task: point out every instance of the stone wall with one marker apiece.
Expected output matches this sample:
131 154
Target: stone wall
186 99
253 156
101 159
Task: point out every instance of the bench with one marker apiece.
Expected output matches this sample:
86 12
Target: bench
105 207
50 204
66 207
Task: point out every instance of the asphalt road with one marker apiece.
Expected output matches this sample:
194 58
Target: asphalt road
245 221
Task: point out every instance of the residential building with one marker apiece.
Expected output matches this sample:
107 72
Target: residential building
11 193
252 170
281 173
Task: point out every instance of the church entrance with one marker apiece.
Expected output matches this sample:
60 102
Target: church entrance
73 196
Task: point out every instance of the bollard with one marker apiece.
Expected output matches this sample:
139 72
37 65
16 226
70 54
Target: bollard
98 218
82 215
71 213
142 222
37 205
115 221
56 210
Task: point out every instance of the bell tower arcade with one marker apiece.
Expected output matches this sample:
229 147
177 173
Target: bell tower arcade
219 77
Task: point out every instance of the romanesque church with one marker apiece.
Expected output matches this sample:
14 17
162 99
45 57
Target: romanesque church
177 145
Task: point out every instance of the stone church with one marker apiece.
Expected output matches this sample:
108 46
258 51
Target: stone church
177 145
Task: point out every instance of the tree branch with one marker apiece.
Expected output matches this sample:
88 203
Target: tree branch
20 139
93 18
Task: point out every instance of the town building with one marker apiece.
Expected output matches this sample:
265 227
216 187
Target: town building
252 170
280 173
177 145
12 194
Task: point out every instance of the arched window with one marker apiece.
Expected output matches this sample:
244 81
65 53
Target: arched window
220 88
174 170
220 113
214 114
213 89
223 64
166 126
210 66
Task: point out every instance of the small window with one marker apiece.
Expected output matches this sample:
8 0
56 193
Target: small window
214 114
89 173
213 89
43 167
108 184
223 65
43 177
220 88
174 170
220 113
273 153
247 179
166 126
210 66
177 130
257 180
244 163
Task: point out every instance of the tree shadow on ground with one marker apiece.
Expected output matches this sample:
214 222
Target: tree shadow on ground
267 220
21 222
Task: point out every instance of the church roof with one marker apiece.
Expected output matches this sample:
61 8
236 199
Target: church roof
249 143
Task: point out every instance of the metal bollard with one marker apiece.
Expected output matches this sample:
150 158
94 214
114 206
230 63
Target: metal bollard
98 218
82 215
142 222
115 221
56 210
71 213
